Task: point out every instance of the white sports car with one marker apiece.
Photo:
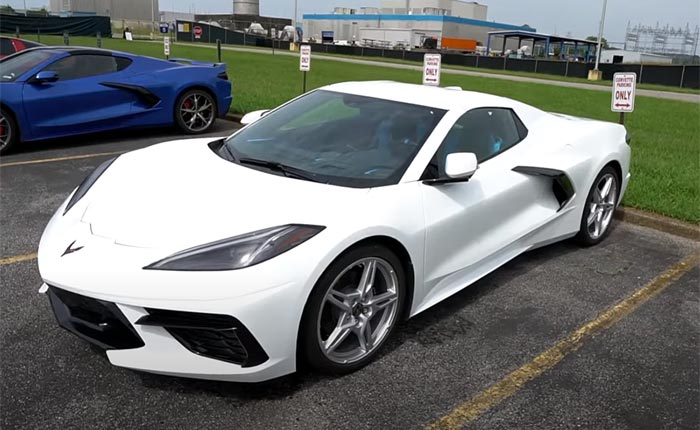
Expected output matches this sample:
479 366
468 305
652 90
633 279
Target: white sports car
309 233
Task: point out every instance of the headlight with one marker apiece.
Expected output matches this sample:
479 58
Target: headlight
87 183
240 251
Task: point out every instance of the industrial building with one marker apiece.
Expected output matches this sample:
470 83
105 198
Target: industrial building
245 14
135 10
406 23
621 56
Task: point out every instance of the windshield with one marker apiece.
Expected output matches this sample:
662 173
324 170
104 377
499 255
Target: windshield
340 139
16 65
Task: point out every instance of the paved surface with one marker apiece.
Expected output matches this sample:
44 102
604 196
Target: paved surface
684 97
641 373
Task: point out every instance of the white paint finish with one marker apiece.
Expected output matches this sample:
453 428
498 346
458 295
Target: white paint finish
623 92
431 69
305 58
165 198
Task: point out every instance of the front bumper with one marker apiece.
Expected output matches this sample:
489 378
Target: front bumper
179 343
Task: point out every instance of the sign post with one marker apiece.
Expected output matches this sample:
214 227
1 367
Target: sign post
623 92
305 61
431 69
166 47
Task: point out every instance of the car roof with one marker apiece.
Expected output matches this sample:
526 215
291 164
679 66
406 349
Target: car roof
80 50
447 98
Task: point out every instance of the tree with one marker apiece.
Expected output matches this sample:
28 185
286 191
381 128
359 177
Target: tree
603 41
7 9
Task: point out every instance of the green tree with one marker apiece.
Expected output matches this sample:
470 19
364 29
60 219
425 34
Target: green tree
7 9
603 41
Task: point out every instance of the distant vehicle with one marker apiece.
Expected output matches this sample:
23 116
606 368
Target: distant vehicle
307 235
10 45
50 92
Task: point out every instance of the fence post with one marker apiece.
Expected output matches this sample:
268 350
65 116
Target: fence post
566 72
505 60
536 62
99 39
682 76
66 38
38 35
641 72
17 32
218 49
477 62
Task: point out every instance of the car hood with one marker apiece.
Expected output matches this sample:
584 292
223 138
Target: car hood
181 194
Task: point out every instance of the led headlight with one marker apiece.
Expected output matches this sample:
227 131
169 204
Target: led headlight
87 183
240 251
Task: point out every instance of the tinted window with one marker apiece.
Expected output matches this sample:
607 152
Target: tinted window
83 66
18 64
486 132
341 139
6 47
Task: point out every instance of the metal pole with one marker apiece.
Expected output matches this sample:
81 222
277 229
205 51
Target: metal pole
622 118
25 7
296 13
153 17
600 35
304 88
682 76
218 49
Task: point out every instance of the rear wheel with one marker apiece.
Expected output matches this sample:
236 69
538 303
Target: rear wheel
195 111
600 207
9 132
353 310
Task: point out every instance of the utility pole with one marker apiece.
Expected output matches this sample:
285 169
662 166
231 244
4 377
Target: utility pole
600 35
296 14
153 17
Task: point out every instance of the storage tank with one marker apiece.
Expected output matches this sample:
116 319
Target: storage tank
246 7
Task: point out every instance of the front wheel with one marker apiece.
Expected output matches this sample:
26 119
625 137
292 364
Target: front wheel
195 111
9 132
600 207
353 310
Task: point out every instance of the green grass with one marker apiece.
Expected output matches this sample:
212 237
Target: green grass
665 133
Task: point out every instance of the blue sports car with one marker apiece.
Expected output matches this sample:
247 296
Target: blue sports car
51 92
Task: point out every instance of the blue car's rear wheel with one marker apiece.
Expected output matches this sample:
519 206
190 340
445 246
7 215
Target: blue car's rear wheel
195 111
9 132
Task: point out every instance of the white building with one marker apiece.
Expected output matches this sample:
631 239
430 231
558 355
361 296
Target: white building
137 10
633 57
406 22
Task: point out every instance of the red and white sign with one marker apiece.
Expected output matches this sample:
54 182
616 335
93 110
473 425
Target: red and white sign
305 58
197 31
431 69
624 88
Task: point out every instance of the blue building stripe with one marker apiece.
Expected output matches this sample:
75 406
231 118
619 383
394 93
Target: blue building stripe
439 18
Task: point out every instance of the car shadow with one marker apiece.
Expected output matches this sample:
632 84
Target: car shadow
425 328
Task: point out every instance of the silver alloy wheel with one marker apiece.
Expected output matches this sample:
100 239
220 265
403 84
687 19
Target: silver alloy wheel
197 112
5 131
358 310
602 206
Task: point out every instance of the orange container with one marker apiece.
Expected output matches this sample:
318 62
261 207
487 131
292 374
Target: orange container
458 44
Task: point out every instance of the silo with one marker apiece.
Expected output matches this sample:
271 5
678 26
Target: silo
246 7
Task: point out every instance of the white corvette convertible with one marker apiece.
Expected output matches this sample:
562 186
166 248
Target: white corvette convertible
309 233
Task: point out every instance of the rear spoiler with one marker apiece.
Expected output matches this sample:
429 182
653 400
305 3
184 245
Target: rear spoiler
195 62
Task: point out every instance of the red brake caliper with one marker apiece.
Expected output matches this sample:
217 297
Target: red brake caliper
188 104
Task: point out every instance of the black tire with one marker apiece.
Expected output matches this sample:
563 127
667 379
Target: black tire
183 119
310 351
585 236
9 132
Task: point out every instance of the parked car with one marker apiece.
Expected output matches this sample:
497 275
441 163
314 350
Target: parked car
10 45
51 92
309 233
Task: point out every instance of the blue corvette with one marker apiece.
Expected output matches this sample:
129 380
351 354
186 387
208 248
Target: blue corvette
51 92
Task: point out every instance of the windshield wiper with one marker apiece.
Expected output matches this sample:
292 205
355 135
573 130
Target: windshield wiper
288 171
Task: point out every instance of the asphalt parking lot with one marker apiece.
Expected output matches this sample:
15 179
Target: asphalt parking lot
529 346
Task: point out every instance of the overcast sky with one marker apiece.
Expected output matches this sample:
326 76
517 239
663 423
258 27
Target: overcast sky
578 17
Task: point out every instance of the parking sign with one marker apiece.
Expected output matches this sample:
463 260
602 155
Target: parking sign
431 69
624 88
305 58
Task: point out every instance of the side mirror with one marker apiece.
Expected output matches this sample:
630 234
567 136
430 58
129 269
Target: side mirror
251 117
44 77
460 165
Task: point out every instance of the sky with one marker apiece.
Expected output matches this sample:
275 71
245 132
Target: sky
579 18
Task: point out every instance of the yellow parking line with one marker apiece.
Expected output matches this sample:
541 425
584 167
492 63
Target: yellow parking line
51 160
17 258
495 394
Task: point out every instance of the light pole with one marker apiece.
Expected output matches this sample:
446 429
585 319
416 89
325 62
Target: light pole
600 35
153 17
296 13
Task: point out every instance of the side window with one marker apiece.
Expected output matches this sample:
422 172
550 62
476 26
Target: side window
486 132
83 66
6 47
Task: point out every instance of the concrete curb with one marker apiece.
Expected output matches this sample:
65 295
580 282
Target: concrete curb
630 215
658 222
